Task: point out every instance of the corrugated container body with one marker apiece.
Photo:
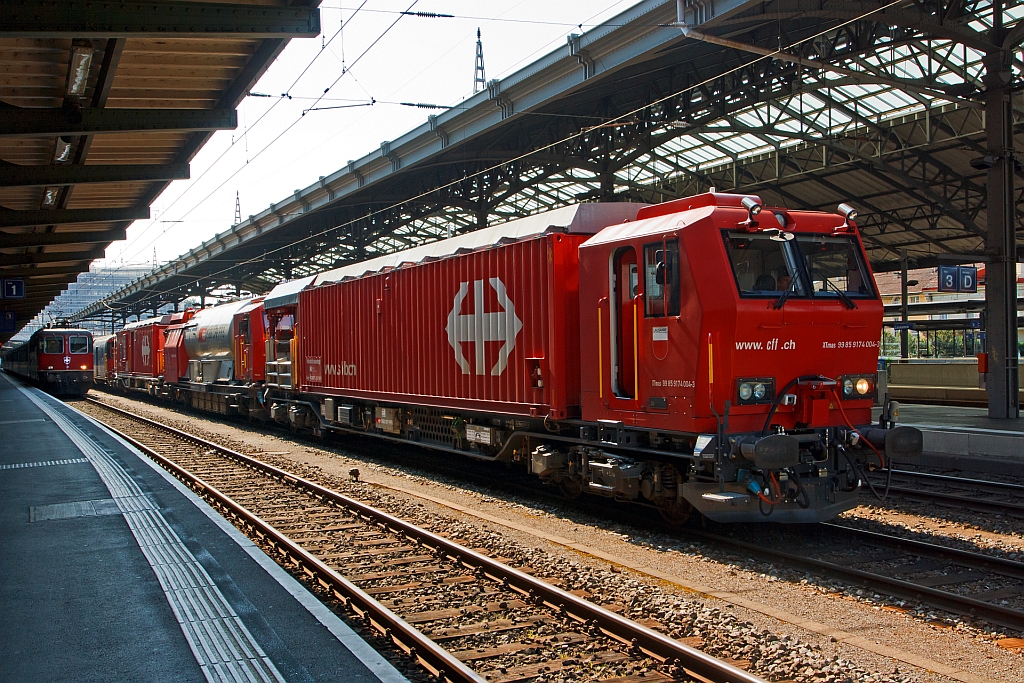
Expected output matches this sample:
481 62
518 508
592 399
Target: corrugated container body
494 330
142 346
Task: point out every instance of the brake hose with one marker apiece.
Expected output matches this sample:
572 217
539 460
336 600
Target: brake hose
849 424
800 490
860 474
773 485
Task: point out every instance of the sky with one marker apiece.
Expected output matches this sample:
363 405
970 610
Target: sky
375 53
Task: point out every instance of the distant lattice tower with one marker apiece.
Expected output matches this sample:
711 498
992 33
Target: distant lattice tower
479 78
238 208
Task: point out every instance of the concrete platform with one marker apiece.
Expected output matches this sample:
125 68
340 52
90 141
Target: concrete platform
966 439
112 570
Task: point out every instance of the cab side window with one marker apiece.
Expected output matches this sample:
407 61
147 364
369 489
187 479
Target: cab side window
661 279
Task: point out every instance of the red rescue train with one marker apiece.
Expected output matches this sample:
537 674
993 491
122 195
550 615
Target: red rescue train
58 360
708 353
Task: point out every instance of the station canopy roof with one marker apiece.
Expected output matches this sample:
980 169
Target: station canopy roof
101 106
877 104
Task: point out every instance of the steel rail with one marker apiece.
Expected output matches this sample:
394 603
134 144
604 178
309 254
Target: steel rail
960 480
438 661
975 504
639 637
959 499
967 558
957 604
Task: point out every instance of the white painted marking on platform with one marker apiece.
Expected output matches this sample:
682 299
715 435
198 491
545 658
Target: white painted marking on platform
43 463
353 642
220 642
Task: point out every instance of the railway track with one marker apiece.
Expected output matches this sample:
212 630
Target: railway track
461 615
977 495
971 584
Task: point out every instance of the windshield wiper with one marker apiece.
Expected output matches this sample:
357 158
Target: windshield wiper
847 301
781 301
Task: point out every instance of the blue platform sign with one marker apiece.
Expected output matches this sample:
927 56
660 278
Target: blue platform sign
8 322
14 288
949 278
899 327
967 279
958 279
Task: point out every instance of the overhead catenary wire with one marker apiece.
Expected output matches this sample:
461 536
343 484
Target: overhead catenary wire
287 95
284 95
243 137
626 116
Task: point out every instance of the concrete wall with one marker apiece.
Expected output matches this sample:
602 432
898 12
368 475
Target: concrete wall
957 374
955 383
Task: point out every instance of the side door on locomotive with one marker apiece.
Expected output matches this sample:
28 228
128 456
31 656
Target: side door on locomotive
637 296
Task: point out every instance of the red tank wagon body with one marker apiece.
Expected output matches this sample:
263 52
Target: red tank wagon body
706 353
58 360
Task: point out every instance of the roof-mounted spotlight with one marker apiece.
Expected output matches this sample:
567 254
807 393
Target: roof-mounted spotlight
752 205
849 214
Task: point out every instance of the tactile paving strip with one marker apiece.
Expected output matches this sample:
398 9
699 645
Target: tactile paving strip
224 648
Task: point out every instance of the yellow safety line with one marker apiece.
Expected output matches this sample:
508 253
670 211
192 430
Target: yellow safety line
636 349
711 364
600 357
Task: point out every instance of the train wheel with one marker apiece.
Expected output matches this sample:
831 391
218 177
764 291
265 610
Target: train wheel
677 513
571 488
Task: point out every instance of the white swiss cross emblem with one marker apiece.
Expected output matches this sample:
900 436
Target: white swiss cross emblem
481 327
67 360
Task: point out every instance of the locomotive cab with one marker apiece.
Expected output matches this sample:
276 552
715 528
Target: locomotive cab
741 341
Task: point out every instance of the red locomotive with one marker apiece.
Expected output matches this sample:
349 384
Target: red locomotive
58 360
705 353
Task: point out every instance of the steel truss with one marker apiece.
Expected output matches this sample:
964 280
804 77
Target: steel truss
886 113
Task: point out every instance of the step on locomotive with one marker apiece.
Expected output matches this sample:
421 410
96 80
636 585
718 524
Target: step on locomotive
708 353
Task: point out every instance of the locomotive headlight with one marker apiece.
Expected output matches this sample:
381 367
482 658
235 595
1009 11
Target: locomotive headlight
858 386
753 391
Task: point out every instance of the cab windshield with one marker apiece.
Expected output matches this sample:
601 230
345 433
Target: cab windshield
809 265
834 264
765 267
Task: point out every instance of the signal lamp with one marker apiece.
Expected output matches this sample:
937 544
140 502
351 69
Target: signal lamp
857 386
754 391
